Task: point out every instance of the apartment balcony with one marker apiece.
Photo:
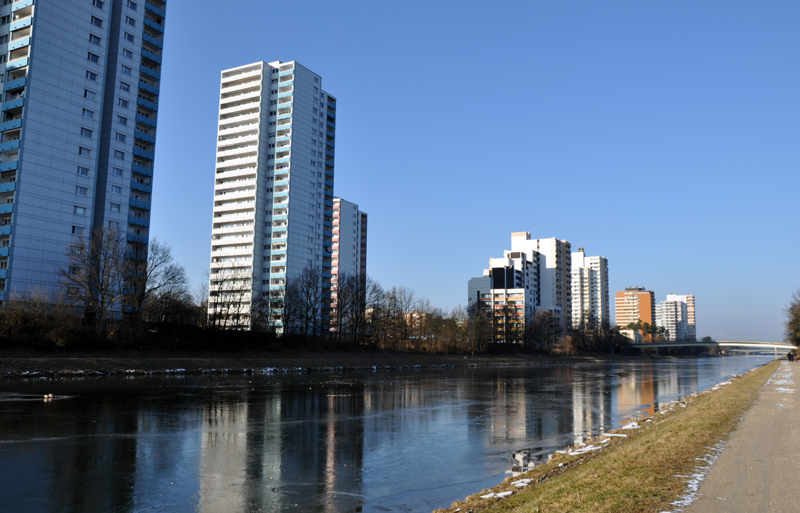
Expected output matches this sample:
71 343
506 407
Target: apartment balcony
244 150
284 160
138 134
141 239
281 183
147 103
243 108
150 72
285 124
242 75
245 230
286 74
11 125
235 217
234 121
6 208
19 43
10 145
136 168
152 56
239 162
235 185
152 8
138 221
21 24
330 133
153 41
15 84
232 195
233 173
143 153
145 120
21 4
223 251
238 129
287 83
144 205
251 95
233 207
13 104
153 24
141 186
284 116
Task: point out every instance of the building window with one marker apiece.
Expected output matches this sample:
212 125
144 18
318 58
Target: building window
115 207
130 21
77 230
122 102
117 171
93 58
97 22
127 53
98 3
131 5
79 211
122 120
116 189
5 20
91 76
81 191
83 171
113 225
86 152
86 132
120 137
128 37
126 70
119 155
125 87
94 39
88 114
88 94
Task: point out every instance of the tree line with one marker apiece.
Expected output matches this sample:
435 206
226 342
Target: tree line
117 294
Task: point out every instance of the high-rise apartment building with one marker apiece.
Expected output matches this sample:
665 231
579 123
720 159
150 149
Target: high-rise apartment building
555 267
349 240
273 193
672 316
508 293
691 326
349 247
634 304
590 304
80 96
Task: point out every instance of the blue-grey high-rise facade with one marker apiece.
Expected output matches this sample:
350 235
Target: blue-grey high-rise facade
79 107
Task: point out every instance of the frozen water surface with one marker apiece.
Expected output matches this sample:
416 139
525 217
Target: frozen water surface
357 441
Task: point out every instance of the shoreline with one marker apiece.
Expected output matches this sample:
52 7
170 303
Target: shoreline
574 471
31 365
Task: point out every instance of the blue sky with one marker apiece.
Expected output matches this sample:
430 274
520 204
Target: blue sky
664 136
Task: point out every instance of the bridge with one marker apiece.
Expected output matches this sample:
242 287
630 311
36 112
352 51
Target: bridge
748 344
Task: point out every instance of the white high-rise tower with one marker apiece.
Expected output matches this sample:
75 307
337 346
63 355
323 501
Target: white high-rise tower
273 193
590 305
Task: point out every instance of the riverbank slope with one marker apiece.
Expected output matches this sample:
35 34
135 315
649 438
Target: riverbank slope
15 364
654 468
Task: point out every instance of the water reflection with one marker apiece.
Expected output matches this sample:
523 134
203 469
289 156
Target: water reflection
378 441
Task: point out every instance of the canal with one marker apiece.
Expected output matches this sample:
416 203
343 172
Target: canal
408 440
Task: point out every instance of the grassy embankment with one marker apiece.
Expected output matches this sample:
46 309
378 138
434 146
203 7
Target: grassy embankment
639 473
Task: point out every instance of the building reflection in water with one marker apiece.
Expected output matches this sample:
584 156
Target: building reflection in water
322 442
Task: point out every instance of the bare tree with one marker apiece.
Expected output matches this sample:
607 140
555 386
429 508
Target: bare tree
155 282
792 332
94 278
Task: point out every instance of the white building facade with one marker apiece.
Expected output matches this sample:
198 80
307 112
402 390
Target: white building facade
555 268
691 323
590 302
673 315
81 83
273 193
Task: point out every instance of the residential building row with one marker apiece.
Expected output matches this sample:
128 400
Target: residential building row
676 314
541 276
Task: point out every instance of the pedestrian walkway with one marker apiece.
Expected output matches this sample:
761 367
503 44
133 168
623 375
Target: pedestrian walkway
760 466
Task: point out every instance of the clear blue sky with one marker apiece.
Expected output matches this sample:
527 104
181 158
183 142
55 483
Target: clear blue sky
663 135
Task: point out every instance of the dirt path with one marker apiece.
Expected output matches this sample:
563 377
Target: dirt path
759 468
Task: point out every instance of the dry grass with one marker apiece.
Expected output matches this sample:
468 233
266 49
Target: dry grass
634 474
